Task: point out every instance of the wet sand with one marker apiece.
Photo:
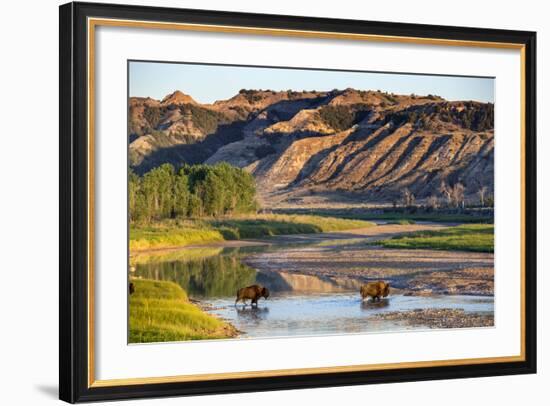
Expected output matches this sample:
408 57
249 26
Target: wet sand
438 318
367 234
410 271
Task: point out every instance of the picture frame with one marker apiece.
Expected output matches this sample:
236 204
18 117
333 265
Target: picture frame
79 164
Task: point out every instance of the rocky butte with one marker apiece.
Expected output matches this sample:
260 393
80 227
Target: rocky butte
311 147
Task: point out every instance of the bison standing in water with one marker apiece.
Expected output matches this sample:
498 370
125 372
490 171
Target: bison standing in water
253 293
376 290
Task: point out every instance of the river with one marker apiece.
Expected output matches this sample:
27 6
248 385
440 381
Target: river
300 303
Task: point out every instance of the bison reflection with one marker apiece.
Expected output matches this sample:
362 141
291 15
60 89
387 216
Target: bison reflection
252 315
252 293
375 305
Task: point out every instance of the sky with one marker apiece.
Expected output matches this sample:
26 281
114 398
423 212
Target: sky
208 83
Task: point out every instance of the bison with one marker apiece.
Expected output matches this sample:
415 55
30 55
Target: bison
376 290
253 293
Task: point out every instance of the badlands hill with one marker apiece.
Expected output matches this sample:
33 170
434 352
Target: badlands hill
363 146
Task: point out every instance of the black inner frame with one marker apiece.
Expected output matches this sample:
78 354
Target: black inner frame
73 177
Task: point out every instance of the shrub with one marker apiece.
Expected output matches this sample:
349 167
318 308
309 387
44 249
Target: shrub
153 115
337 117
204 119
229 233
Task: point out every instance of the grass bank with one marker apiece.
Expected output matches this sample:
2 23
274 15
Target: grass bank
160 311
155 257
267 225
402 222
433 217
168 234
176 233
393 217
466 237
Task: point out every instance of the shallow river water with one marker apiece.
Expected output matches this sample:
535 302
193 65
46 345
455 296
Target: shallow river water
334 313
298 305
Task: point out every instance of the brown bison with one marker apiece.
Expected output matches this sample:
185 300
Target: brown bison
253 293
376 290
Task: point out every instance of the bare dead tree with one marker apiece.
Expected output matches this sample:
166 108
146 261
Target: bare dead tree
407 197
433 202
481 193
445 190
457 195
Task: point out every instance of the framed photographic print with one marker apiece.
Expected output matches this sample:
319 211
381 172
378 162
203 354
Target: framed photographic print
257 202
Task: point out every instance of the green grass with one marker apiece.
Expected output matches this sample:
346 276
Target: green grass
178 233
268 225
160 311
366 214
471 237
403 222
435 217
172 234
155 257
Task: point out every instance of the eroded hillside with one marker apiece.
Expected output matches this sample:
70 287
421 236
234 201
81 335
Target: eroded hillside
309 146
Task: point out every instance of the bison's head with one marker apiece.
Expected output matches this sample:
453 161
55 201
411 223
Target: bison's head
265 292
386 289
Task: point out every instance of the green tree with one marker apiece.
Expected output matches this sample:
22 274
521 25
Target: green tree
181 194
196 191
213 194
136 202
195 208
158 192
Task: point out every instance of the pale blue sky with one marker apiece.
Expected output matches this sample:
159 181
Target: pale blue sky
208 83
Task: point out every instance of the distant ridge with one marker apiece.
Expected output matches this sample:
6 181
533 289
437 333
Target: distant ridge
176 98
313 145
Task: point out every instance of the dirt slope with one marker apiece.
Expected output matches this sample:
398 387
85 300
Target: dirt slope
367 145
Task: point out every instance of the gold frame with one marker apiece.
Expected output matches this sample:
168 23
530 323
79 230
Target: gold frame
92 23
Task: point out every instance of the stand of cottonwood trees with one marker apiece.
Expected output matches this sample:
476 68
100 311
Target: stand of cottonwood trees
192 191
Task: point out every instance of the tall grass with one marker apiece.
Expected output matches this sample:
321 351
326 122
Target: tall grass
367 214
160 311
402 222
267 225
471 237
195 232
172 234
155 257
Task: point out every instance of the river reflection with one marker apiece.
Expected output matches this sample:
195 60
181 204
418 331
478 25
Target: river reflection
201 273
217 273
249 314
